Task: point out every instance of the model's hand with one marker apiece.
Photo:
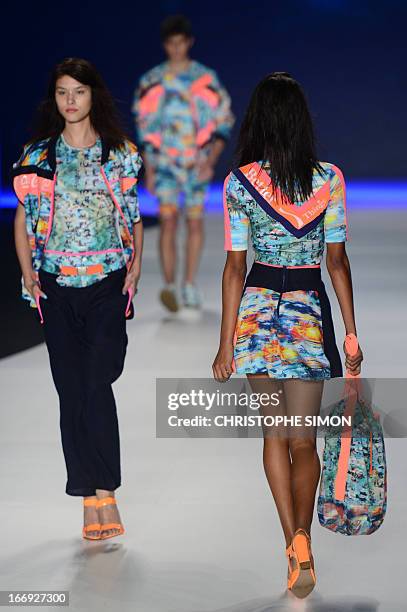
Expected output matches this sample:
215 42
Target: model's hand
131 280
222 366
205 170
150 180
353 362
31 283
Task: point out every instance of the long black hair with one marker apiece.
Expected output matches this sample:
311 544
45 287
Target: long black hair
103 114
278 129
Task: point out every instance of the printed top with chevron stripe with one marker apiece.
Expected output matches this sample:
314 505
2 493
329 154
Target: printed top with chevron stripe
282 232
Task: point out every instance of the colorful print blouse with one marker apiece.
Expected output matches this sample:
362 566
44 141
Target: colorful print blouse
293 234
84 218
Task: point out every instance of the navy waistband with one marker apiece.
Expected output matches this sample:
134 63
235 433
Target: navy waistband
284 279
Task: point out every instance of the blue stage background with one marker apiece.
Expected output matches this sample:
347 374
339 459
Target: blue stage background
349 55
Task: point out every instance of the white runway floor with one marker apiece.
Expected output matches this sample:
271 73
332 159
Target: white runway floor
201 529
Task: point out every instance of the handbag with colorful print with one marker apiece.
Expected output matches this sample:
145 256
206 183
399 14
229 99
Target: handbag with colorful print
353 490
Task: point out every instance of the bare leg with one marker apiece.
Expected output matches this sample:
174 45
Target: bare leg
90 516
195 238
167 246
276 456
303 397
108 513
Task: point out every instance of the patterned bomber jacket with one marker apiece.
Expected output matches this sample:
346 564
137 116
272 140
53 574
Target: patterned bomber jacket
34 177
208 100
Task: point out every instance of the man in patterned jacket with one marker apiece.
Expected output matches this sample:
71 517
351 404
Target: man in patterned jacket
183 118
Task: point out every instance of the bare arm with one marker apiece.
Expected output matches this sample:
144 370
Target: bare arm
216 149
233 279
206 165
30 277
338 266
133 274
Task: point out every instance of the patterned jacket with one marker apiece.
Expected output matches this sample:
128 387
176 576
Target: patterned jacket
34 177
208 100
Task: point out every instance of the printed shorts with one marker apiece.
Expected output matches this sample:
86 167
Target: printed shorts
171 181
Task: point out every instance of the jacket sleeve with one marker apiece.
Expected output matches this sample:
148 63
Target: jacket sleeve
21 193
16 182
224 117
132 163
145 108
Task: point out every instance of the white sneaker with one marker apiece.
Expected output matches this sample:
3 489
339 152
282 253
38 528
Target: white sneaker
168 297
190 296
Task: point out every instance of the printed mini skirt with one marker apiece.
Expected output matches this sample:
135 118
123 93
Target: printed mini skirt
284 326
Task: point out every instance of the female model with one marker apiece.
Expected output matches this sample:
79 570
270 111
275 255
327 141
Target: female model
79 239
276 323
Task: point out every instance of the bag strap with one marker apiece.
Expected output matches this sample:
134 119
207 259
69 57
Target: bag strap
352 345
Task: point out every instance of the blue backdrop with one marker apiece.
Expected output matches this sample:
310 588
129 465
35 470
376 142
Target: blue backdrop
350 56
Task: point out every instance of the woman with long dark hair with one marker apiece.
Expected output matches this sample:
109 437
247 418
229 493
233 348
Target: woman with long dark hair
79 239
277 327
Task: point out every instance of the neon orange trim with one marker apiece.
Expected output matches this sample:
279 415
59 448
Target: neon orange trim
202 81
351 344
154 138
341 177
149 102
74 271
228 235
303 214
127 182
204 134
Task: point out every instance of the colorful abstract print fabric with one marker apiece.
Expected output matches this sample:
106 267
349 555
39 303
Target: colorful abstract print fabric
284 341
284 344
84 229
272 242
363 508
176 115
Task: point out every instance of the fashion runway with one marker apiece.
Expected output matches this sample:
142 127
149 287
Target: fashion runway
201 527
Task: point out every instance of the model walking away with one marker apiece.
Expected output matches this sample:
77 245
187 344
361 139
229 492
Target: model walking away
277 327
183 119
79 239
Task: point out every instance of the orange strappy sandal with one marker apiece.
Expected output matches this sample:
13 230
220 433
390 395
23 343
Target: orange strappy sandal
301 578
104 501
92 526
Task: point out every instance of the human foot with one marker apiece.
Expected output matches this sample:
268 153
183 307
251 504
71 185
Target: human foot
91 524
301 571
109 517
168 297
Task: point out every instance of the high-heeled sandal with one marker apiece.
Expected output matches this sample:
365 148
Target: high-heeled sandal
301 579
91 526
104 501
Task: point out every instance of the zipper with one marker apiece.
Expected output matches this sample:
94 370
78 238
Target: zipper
282 289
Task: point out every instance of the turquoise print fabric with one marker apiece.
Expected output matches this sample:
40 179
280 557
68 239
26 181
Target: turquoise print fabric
84 228
272 242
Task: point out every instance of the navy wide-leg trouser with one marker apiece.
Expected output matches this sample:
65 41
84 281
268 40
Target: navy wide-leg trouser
85 334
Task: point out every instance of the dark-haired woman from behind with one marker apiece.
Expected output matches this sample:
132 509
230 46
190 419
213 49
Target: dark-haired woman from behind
79 238
277 327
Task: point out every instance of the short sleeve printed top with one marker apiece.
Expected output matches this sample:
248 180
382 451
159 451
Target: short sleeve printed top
285 238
